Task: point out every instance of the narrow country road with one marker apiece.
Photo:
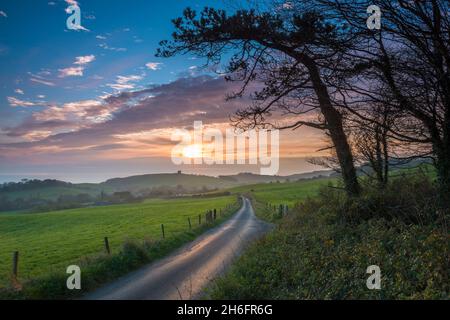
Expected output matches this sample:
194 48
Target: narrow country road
185 273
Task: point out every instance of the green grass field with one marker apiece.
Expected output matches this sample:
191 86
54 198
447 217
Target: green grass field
52 241
292 192
284 193
49 242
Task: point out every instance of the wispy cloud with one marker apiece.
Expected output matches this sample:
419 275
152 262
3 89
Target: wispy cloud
156 108
57 119
82 60
72 2
80 27
19 91
106 47
42 78
137 39
14 102
77 71
3 14
125 82
71 72
154 65
41 81
81 112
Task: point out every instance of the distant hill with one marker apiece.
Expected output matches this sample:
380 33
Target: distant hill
250 178
52 189
54 194
311 175
191 182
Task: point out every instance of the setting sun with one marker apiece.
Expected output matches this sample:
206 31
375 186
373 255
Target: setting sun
193 151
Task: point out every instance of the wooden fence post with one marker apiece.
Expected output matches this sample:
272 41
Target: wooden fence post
162 229
189 220
199 219
215 214
108 250
15 264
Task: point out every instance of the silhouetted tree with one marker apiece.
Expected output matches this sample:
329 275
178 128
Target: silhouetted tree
406 62
292 54
371 141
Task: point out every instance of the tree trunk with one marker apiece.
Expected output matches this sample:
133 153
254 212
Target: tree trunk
379 157
443 175
336 129
386 157
343 153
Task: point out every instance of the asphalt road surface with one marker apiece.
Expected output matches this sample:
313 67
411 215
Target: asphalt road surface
185 273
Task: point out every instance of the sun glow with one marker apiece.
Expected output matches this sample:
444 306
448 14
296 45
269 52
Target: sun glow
192 151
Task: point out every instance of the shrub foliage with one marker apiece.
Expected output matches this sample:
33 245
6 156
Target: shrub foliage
323 248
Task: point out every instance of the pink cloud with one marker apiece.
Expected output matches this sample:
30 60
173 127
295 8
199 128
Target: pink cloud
14 102
81 62
71 72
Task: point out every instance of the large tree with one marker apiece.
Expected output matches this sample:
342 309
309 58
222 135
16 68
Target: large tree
292 54
406 62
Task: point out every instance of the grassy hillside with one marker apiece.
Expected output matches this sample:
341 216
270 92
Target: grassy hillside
136 183
284 193
49 242
292 192
322 248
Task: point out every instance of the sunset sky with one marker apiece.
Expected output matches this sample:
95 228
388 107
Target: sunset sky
96 103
